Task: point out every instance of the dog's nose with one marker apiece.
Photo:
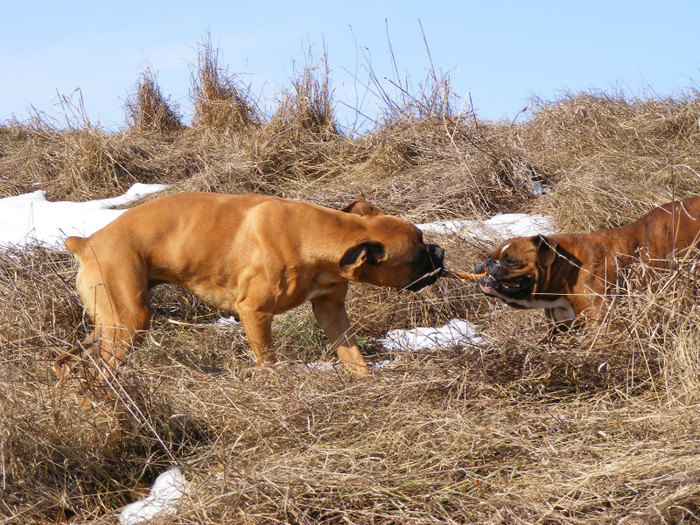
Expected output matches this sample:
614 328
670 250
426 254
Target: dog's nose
479 268
495 269
492 264
437 254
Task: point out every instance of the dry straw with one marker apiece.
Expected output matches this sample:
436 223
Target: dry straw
586 427
149 110
221 105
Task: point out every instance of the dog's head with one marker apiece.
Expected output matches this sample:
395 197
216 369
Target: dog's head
519 269
391 253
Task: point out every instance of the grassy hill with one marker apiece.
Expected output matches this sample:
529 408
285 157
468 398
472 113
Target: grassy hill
589 427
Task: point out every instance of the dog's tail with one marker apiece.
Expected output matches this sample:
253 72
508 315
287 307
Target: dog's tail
76 244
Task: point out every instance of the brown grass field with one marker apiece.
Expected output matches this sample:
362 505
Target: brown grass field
587 427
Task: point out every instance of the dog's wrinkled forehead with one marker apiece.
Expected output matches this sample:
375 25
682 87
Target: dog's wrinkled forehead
522 254
394 229
516 248
504 248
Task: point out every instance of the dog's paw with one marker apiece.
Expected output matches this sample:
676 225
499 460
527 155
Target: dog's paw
61 368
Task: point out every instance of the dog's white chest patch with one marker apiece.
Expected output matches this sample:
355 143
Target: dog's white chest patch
560 308
563 314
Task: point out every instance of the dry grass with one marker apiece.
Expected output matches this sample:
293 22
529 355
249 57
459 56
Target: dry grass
149 109
221 104
610 153
579 428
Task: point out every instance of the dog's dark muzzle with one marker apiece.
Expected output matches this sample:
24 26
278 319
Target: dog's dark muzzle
495 269
500 283
431 267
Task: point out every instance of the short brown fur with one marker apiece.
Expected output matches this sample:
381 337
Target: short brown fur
570 273
254 255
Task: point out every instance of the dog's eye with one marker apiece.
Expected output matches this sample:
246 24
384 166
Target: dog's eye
509 262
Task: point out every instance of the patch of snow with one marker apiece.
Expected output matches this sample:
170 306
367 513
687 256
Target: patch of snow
454 333
226 322
445 227
537 189
381 364
496 228
31 219
167 490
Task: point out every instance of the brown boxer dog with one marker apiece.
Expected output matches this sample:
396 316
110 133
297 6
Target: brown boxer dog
253 255
568 275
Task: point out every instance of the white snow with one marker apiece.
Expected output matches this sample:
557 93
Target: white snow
319 366
227 322
455 333
31 219
496 228
167 490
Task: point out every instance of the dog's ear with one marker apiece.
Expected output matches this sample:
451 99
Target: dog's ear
361 208
366 252
546 250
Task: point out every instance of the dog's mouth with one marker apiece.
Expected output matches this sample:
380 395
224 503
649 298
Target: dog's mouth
425 280
432 267
516 288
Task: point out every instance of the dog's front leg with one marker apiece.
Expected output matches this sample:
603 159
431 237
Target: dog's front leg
258 329
63 363
331 314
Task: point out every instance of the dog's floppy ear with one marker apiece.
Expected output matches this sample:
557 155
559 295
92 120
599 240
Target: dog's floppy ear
361 208
366 252
546 250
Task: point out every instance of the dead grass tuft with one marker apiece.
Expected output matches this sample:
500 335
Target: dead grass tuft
221 105
662 312
301 141
149 110
308 107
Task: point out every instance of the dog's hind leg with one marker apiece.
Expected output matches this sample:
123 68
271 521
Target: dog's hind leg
115 296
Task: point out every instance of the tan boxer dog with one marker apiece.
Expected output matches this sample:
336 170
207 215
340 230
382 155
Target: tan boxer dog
253 255
568 275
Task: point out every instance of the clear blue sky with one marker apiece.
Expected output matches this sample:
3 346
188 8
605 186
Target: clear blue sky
500 52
